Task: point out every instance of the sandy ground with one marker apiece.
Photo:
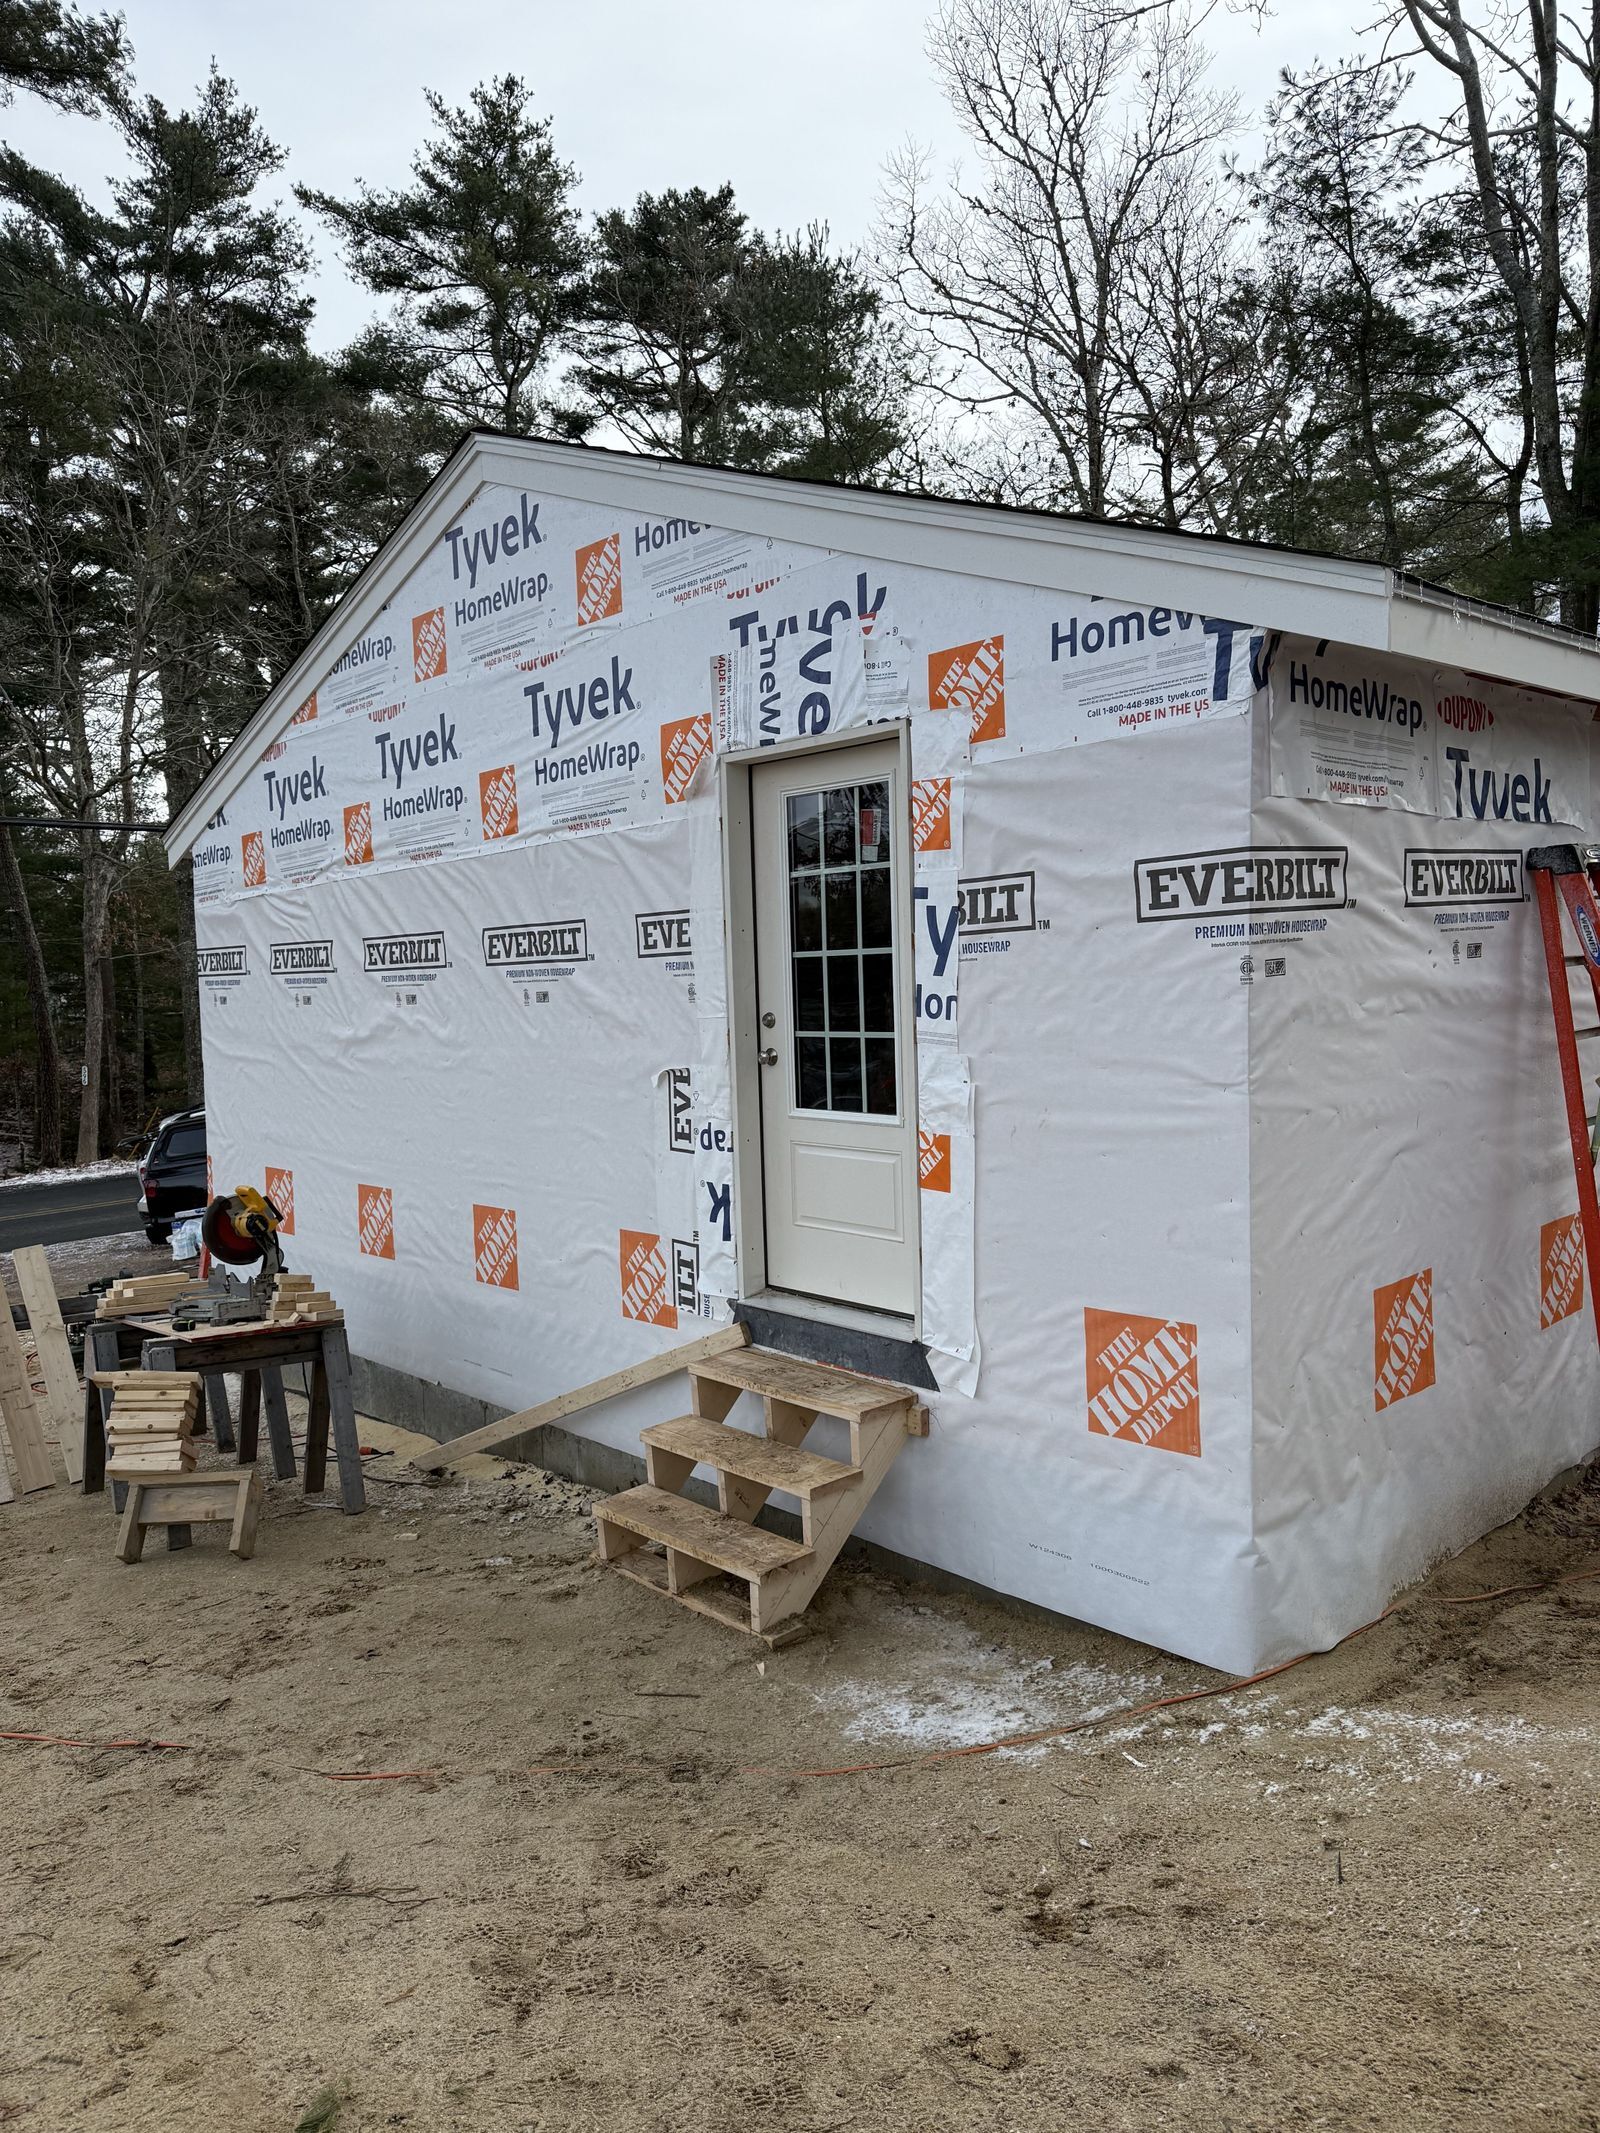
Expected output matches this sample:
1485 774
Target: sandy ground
1363 1894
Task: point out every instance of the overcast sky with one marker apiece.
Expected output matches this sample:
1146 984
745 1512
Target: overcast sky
797 104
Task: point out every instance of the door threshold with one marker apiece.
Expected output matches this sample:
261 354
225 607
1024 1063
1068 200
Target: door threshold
793 1303
875 1344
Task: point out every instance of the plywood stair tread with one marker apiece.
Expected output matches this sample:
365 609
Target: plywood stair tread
728 1544
817 1387
752 1458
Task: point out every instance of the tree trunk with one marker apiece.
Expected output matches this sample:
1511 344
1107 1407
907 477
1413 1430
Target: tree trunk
47 1108
113 1083
96 897
194 1072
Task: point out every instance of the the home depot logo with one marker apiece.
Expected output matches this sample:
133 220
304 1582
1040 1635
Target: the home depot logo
254 854
930 814
646 1294
1143 1378
278 1187
933 1160
494 1246
661 933
1433 878
306 712
497 800
1241 878
1560 1269
358 834
600 579
972 678
375 1221
1402 1338
685 745
427 645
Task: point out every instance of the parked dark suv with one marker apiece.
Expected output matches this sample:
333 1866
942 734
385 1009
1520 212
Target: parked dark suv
172 1172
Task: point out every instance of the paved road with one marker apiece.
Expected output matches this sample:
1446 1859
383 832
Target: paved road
79 1207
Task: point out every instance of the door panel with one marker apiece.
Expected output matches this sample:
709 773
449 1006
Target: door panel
832 888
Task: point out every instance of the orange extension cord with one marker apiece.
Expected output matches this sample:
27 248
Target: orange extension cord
899 1762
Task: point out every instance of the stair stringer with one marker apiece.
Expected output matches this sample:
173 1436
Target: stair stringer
778 1594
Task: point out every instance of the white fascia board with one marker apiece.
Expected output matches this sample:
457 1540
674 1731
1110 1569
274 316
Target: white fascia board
438 507
1430 624
1281 589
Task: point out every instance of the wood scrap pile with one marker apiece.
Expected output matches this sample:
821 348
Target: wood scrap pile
144 1295
297 1301
151 1423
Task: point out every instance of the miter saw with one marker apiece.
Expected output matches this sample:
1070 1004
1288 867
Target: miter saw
237 1229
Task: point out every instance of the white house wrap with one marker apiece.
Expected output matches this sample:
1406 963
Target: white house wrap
1097 958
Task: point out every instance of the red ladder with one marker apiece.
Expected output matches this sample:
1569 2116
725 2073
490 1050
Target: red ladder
1568 875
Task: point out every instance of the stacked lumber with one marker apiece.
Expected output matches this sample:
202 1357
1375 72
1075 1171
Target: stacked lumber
297 1301
151 1422
144 1295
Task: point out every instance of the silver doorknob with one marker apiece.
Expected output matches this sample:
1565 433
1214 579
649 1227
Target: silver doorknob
769 1057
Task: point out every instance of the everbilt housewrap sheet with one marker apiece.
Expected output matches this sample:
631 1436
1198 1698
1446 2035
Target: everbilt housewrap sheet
1248 1272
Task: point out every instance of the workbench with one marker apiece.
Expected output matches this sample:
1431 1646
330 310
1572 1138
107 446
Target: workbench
256 1353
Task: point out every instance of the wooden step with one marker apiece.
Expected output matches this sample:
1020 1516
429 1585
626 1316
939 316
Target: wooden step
817 1387
736 1451
675 1522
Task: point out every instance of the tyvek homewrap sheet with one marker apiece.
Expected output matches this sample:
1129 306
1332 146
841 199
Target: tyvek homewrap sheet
465 1003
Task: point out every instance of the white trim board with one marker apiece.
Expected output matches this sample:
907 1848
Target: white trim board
1363 604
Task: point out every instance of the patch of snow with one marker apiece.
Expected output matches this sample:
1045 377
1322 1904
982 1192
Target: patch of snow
116 1167
958 1692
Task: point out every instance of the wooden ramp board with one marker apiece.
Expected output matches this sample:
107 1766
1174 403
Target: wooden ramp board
30 1456
63 1402
752 1458
727 1544
817 1387
570 1403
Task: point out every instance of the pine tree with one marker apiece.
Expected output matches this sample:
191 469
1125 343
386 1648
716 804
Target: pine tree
485 254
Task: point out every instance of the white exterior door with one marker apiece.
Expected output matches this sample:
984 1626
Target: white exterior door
831 868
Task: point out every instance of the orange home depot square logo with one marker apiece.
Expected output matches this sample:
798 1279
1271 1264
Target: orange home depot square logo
358 834
1560 1269
254 854
933 1160
930 814
685 745
375 1221
306 712
600 579
278 1187
645 1295
972 678
1402 1338
494 1246
427 644
1143 1379
497 800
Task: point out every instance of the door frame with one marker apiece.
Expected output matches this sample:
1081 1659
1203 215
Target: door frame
744 1072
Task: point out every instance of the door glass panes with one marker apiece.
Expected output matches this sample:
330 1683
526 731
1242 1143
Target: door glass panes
841 949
